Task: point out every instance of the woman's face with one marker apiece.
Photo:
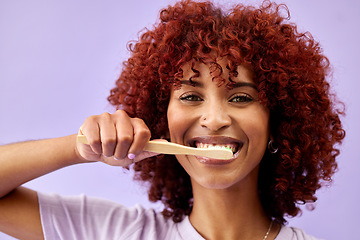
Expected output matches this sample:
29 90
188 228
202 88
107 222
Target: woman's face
203 114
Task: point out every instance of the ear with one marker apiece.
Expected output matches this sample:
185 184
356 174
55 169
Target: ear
272 138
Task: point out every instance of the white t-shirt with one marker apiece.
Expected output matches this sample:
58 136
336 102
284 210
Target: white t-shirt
82 217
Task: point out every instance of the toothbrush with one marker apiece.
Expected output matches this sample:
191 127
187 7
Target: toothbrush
173 148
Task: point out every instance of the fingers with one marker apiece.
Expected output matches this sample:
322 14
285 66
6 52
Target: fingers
141 137
125 133
107 134
116 137
91 130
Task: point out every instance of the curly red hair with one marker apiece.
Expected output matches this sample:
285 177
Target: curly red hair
291 74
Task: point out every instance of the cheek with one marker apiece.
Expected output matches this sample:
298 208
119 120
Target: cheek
176 121
258 130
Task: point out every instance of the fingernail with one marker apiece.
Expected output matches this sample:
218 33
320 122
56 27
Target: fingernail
118 159
131 156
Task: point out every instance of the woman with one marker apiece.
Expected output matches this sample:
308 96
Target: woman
244 79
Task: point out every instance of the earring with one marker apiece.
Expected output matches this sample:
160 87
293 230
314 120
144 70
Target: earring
271 147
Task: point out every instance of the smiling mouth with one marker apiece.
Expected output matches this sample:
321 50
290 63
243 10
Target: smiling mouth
217 142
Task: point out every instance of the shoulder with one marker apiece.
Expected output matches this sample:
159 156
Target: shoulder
70 216
292 233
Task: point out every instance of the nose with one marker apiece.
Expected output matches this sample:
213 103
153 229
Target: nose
215 117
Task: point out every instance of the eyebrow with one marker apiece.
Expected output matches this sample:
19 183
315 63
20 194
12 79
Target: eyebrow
233 85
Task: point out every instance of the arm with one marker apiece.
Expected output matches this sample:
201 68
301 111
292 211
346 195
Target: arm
20 163
112 137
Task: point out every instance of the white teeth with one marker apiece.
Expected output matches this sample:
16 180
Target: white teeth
217 146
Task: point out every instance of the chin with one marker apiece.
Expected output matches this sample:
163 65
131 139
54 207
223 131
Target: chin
231 181
216 182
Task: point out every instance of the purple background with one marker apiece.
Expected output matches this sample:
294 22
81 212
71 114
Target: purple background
59 59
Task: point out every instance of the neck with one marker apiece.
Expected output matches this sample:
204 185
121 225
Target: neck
231 213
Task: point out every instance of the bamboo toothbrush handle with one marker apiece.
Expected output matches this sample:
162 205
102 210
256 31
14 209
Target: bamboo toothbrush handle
173 148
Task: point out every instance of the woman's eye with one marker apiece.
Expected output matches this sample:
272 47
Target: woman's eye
242 98
190 98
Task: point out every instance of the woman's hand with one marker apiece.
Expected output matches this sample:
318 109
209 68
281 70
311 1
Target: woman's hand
115 139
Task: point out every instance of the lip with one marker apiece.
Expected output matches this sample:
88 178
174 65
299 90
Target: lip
215 162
